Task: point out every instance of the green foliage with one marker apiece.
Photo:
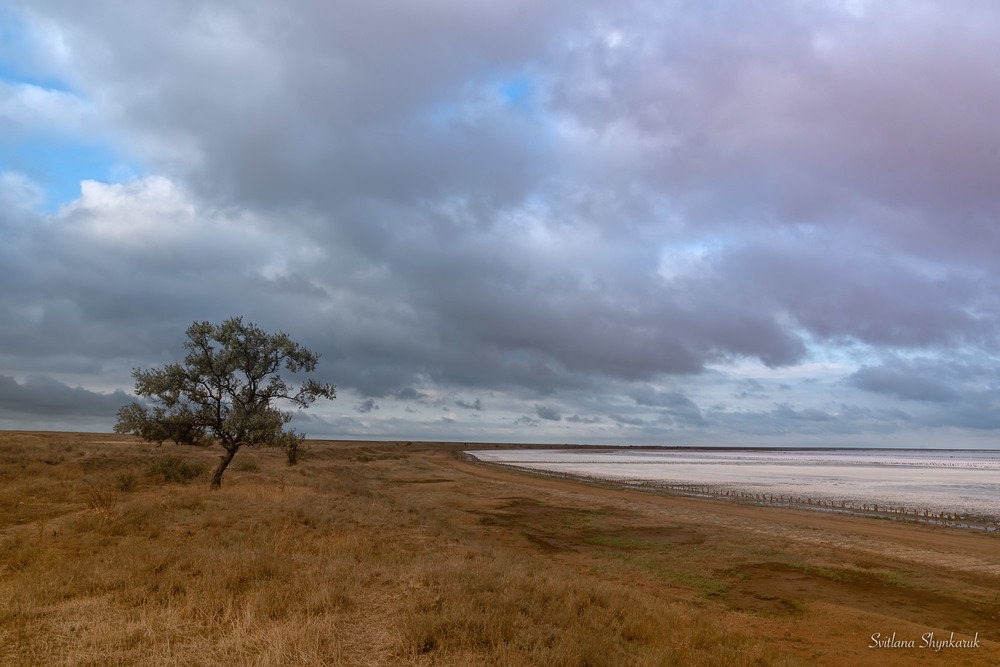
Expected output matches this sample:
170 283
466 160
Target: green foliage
292 447
157 425
224 392
175 469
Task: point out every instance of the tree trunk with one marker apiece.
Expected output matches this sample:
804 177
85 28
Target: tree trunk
221 468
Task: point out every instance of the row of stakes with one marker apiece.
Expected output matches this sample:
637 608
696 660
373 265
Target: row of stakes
990 523
973 520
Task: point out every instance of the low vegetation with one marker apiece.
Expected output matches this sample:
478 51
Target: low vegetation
391 561
174 469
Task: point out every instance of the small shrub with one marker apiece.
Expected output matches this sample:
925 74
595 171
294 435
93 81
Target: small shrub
292 450
175 469
125 482
18 552
102 500
246 466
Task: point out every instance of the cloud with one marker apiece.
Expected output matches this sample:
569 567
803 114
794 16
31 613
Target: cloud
912 381
611 210
41 396
577 419
476 405
409 394
955 390
547 413
624 420
836 291
786 412
750 388
29 108
17 191
674 406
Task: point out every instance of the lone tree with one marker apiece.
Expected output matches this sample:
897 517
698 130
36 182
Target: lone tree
224 392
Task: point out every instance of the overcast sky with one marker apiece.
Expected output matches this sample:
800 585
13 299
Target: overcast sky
593 221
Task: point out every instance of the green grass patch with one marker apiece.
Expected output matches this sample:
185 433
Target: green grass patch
841 576
794 605
706 587
624 542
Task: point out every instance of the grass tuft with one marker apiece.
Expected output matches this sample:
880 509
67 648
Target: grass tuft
175 469
246 466
125 481
102 500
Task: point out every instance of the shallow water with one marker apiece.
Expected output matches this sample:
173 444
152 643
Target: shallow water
922 483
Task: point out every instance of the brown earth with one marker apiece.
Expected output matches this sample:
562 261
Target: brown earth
818 584
408 553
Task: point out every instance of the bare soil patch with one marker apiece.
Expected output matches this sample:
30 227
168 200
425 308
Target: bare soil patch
780 587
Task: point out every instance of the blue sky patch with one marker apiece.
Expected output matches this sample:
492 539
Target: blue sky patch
518 91
58 165
19 56
55 159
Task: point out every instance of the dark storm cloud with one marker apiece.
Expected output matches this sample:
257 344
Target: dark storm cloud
476 405
838 290
955 391
750 388
802 423
672 406
547 413
409 394
320 101
42 396
907 380
112 281
549 200
980 412
624 420
577 419
650 396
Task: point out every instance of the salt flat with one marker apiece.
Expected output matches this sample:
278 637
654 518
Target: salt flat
929 483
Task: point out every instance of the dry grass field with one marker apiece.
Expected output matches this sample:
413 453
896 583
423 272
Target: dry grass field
116 552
